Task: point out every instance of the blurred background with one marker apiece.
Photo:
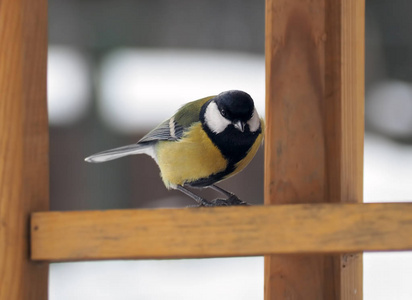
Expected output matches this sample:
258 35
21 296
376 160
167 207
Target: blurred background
118 68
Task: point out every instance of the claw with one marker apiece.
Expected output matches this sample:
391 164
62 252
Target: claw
231 201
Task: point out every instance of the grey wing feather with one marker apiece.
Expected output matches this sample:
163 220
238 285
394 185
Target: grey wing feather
166 131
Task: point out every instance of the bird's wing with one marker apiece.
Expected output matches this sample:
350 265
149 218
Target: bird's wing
169 130
174 128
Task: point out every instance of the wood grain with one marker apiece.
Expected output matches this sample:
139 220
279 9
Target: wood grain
314 134
351 95
214 232
23 144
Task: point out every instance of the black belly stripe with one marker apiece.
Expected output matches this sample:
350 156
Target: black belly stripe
207 181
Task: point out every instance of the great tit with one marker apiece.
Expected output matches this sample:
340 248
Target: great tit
204 142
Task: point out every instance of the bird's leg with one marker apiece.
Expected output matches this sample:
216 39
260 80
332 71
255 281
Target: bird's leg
222 191
232 199
200 201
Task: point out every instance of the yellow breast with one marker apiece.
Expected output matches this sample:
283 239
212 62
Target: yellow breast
191 158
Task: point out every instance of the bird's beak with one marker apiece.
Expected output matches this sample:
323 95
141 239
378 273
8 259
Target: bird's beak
239 125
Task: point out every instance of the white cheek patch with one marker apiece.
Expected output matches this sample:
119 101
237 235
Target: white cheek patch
214 120
254 122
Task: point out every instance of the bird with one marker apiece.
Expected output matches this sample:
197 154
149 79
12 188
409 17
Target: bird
204 142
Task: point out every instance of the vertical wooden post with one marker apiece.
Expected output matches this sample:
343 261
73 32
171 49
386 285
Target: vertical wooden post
24 166
314 136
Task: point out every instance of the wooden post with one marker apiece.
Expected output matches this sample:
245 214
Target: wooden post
314 136
24 166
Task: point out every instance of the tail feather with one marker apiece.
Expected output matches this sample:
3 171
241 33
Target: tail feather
120 152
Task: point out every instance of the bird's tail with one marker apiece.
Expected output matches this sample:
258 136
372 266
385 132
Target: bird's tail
120 152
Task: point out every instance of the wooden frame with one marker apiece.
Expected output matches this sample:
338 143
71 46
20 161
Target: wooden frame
217 232
314 149
314 139
24 169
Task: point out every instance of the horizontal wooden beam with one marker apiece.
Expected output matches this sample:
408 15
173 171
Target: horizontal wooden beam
216 232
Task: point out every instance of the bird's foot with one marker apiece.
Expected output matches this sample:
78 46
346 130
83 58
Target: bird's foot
233 200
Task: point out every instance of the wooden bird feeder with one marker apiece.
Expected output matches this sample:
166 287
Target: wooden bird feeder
313 227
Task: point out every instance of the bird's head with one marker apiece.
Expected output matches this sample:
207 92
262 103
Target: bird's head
231 108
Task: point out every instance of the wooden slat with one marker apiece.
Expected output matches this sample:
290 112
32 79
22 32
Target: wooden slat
314 135
214 232
24 174
351 131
